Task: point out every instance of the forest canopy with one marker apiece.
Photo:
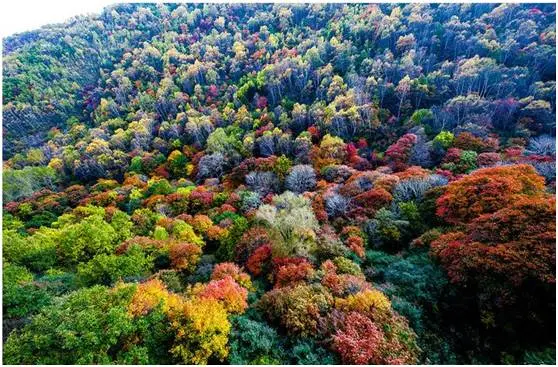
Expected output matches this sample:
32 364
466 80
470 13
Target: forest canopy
281 184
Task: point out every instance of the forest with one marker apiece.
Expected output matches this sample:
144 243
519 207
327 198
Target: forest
281 184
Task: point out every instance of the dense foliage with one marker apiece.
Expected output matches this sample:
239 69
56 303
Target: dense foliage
281 184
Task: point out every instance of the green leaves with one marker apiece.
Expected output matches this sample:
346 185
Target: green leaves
106 269
21 183
91 323
83 240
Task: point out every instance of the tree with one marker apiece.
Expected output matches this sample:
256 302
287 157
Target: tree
297 308
211 166
87 326
359 341
85 239
21 183
254 342
398 154
291 222
227 291
202 330
488 190
301 178
106 269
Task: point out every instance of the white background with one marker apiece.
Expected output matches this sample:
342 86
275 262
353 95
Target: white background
24 15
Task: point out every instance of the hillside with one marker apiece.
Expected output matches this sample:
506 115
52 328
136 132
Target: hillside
281 184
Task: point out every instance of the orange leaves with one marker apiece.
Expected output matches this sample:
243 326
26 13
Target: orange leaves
204 225
151 294
226 291
506 244
184 256
229 286
292 273
525 218
517 243
222 270
412 172
486 191
356 244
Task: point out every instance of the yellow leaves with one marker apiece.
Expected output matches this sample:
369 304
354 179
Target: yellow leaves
189 169
201 223
185 233
201 326
97 146
175 154
206 315
239 50
332 146
368 301
202 332
56 164
149 295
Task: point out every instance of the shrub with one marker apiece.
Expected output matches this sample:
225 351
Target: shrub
222 270
336 205
398 154
414 189
307 352
359 341
543 145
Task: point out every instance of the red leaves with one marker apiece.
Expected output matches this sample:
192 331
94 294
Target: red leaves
252 239
372 200
359 340
488 159
258 259
398 153
509 235
228 292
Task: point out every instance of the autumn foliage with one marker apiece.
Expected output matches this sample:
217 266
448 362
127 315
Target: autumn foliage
488 190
